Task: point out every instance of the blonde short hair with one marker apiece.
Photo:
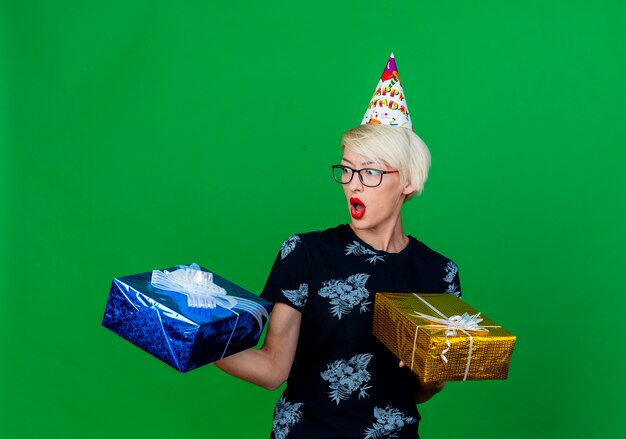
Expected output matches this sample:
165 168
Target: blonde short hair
398 147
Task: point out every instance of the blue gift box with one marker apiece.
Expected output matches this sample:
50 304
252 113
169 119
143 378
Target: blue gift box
162 323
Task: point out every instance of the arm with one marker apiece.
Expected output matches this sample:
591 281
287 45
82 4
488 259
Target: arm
269 366
450 282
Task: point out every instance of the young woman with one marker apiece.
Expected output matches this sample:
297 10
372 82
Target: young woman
342 382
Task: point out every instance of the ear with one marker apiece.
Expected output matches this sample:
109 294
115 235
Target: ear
408 189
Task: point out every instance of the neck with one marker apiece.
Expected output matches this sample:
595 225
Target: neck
389 238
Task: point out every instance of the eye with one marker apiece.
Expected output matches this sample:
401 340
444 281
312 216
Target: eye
346 170
373 172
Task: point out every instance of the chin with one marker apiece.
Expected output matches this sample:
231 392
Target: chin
361 224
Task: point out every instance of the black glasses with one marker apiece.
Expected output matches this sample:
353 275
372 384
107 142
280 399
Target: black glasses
369 177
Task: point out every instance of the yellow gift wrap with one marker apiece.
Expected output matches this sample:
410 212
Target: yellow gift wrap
442 338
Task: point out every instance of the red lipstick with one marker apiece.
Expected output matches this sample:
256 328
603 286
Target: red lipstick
357 208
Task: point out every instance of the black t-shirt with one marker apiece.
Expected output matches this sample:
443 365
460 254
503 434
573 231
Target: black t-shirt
344 383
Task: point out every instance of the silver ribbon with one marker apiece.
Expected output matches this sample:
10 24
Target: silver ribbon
201 292
451 325
196 284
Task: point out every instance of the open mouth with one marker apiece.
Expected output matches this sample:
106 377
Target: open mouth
357 208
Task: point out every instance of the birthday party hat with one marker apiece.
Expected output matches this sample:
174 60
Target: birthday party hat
388 105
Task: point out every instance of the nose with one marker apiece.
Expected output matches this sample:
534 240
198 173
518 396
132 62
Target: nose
355 184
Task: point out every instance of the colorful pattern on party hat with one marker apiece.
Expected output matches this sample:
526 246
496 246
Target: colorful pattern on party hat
388 105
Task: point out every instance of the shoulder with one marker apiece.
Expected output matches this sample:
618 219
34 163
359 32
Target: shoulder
324 235
318 237
428 255
444 270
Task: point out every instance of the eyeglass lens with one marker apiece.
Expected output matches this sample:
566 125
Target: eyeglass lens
369 177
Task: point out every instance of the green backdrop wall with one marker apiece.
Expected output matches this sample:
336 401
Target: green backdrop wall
143 134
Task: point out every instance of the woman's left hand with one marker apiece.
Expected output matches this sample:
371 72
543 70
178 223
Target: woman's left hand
426 391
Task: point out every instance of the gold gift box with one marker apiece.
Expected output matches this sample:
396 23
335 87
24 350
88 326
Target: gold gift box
420 342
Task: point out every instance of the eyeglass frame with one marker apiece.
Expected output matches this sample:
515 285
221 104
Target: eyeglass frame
358 171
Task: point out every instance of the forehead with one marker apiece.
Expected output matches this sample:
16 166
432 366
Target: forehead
352 158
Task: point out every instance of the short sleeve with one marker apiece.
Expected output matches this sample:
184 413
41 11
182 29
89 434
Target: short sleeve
450 282
288 281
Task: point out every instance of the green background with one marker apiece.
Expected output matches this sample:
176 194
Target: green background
137 135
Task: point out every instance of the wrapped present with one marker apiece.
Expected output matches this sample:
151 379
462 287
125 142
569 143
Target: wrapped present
185 316
442 338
